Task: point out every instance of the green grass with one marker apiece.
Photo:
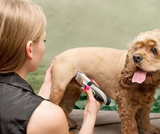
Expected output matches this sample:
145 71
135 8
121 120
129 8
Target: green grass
102 23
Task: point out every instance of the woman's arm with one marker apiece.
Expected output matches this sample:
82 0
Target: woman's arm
90 113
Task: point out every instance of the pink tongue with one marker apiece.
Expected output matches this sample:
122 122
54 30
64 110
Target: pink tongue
139 76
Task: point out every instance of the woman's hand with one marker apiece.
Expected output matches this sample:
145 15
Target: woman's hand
45 90
92 106
90 113
48 76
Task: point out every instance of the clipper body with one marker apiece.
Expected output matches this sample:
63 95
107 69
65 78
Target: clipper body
99 95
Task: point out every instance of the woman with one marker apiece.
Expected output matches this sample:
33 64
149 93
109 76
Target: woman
22 35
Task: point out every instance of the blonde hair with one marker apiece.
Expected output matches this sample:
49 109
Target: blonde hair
20 21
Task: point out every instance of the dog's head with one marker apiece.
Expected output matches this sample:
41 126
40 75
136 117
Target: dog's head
143 60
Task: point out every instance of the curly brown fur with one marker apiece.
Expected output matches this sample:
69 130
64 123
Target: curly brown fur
115 71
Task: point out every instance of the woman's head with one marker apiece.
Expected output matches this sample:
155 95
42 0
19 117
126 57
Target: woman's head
20 21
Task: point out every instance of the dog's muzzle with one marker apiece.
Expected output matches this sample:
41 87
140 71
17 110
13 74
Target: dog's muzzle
137 58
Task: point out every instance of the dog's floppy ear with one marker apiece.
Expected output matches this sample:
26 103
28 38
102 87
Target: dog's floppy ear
127 73
153 79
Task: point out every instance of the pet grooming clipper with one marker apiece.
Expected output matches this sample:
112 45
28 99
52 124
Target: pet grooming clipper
99 95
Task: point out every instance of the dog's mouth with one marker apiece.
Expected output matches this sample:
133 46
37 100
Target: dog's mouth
139 76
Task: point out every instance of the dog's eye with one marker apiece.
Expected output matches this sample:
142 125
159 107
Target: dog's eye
154 50
135 48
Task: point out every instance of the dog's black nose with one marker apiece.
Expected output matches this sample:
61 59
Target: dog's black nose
137 58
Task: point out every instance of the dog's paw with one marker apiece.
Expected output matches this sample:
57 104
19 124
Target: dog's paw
130 132
155 131
150 131
141 131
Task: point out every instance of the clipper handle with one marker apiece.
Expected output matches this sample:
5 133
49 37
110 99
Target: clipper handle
97 95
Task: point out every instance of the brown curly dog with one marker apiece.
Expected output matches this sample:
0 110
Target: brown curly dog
128 77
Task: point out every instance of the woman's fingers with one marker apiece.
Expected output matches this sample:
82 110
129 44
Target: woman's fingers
52 62
89 92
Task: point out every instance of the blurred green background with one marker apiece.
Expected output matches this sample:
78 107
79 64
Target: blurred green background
102 23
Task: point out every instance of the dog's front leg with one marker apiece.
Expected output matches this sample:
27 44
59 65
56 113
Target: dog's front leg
128 122
127 114
143 121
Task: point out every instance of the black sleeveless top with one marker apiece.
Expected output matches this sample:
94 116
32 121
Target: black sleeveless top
17 103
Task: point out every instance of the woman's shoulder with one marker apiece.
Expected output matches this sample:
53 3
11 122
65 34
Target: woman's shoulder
47 118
